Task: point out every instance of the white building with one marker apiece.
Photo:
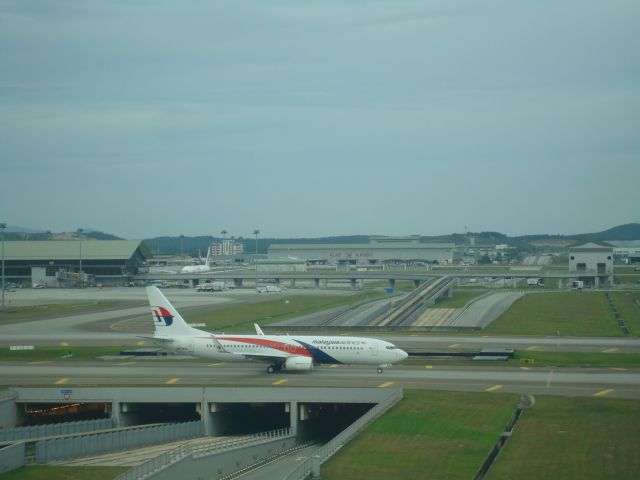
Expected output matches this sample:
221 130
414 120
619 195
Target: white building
592 263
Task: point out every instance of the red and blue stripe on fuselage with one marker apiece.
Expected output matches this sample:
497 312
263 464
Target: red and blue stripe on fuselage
302 348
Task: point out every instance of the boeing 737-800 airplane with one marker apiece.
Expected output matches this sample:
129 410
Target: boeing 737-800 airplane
279 351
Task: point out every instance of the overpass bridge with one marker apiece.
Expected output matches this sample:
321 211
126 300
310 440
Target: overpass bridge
321 278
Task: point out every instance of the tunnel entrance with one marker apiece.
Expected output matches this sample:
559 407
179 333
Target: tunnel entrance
323 421
44 413
246 418
145 413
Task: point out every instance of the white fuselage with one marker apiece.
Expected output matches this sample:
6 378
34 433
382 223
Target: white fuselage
320 349
196 269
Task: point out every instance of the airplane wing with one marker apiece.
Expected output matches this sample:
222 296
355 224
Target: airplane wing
157 339
273 358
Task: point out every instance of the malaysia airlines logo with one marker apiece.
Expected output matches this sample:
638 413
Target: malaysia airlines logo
161 316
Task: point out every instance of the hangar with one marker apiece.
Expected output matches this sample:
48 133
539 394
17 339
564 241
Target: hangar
380 251
592 263
58 263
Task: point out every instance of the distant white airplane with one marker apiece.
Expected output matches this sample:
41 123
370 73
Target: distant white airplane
204 266
279 351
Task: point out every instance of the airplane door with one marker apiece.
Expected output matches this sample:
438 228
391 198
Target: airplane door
374 349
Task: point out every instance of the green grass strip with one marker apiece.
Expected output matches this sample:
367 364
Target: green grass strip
55 310
629 312
573 438
41 472
580 314
241 318
429 434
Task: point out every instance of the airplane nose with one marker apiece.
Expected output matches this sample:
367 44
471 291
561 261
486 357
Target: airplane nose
403 354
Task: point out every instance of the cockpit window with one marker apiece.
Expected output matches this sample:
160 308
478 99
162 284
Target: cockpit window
391 347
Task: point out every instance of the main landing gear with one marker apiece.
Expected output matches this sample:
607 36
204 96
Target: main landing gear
379 369
274 368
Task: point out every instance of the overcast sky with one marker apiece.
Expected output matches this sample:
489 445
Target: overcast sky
303 119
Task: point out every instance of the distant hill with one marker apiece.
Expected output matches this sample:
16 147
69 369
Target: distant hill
39 235
171 245
17 229
629 231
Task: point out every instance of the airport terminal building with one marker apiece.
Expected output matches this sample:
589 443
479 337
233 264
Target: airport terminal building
380 251
58 263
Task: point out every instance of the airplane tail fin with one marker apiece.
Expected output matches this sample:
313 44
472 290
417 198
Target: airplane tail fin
166 319
207 260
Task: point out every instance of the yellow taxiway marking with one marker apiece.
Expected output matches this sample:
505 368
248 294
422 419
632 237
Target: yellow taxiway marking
215 364
493 389
525 368
455 345
141 342
280 382
124 363
172 381
61 381
532 347
428 366
610 350
618 369
39 363
386 384
334 366
602 393
64 344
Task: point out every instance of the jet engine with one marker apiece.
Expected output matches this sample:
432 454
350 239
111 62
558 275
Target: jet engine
298 363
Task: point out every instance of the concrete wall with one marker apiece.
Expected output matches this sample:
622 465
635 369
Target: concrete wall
54 429
94 444
11 457
214 467
196 395
8 410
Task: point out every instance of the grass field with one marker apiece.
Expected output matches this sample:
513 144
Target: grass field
36 472
427 435
460 298
573 438
69 353
629 312
55 310
580 314
542 359
627 279
578 359
241 318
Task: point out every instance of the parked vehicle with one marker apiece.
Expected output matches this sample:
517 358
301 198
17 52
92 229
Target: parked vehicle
210 287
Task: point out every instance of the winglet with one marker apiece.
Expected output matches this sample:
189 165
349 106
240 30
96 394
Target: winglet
258 329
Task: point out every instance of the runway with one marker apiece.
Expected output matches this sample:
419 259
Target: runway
619 383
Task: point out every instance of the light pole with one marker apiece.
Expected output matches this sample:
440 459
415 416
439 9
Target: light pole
256 232
2 227
80 272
